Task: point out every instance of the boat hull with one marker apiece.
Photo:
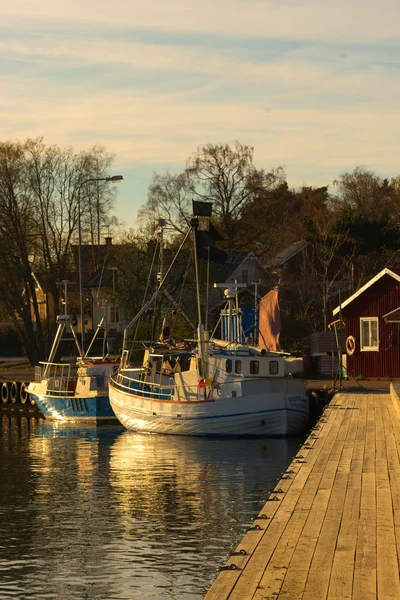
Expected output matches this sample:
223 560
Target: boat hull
270 414
75 409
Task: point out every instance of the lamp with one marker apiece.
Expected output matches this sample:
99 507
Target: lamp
111 179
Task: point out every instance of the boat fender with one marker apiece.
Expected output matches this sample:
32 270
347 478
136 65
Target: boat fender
5 392
23 394
14 392
350 345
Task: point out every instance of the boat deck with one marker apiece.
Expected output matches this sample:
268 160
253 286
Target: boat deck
331 528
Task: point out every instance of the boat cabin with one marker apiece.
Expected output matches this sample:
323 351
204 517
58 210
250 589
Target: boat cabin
244 363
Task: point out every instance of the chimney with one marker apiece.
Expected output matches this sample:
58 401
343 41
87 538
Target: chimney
108 241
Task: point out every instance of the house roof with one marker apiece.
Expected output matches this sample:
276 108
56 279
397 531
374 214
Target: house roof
395 273
287 254
236 259
393 316
103 278
93 255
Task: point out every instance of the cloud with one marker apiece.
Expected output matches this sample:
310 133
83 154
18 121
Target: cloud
311 85
356 20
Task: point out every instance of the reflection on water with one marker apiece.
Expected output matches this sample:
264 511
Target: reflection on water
103 513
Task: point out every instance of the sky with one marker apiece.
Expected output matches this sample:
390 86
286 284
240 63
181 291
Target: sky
314 86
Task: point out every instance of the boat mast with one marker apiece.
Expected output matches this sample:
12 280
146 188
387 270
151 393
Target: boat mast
158 290
62 321
160 232
202 336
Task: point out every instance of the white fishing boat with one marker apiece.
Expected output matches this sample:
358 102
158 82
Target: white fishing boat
221 388
75 390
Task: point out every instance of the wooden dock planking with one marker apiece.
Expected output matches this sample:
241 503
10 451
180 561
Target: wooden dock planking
387 560
228 581
315 504
284 514
298 571
364 581
392 435
334 532
341 577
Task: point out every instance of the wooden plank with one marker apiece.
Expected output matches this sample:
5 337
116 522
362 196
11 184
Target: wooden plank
245 583
387 559
392 436
334 533
300 565
364 583
320 569
282 544
341 579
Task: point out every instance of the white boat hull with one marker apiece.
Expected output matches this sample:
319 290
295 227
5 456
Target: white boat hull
269 414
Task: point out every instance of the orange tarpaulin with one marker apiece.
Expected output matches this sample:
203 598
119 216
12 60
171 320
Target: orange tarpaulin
269 321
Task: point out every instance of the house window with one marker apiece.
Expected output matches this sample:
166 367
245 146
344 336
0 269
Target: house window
114 314
245 276
369 334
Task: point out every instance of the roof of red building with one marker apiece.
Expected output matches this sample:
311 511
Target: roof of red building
392 272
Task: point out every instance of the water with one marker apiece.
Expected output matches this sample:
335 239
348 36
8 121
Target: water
103 513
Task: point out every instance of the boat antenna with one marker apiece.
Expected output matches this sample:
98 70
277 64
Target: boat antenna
256 309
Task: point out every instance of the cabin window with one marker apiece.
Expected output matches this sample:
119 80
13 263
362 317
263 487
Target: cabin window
228 366
254 367
238 366
273 367
369 334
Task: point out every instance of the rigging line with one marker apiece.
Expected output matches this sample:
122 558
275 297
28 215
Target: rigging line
101 276
156 293
147 286
215 328
183 285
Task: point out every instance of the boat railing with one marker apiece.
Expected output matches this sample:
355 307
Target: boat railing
144 387
61 378
158 391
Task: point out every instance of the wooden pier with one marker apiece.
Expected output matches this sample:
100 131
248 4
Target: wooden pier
331 528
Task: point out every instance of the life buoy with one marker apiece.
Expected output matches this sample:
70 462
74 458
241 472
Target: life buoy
350 345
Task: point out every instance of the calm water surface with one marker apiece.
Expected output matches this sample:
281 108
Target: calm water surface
103 513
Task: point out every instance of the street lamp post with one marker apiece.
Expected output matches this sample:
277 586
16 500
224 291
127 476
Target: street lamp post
112 179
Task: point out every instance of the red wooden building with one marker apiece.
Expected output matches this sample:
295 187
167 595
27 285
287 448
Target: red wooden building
371 317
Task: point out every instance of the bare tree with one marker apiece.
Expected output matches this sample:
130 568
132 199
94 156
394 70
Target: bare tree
170 197
326 263
220 174
227 177
39 212
368 193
